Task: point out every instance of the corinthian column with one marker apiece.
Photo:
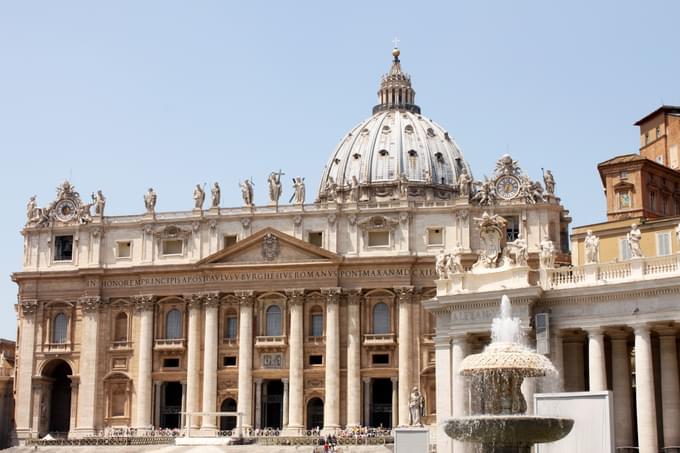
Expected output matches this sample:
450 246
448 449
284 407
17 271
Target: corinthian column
621 386
89 344
597 371
644 395
296 300
353 358
404 295
194 301
244 404
458 352
144 306
212 302
670 388
25 364
331 412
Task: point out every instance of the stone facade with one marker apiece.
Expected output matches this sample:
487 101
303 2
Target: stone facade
294 316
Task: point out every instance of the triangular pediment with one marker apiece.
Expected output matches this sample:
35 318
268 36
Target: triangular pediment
270 246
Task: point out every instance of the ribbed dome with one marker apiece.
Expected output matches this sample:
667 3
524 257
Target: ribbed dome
395 144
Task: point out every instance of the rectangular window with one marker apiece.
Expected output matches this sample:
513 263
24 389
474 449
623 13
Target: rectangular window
171 363
315 238
624 249
435 236
124 249
317 324
512 228
173 247
316 359
663 243
229 360
652 201
380 359
378 238
63 248
230 331
229 239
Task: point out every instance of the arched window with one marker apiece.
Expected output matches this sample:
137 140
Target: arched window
59 327
120 327
173 324
273 321
381 318
230 325
316 322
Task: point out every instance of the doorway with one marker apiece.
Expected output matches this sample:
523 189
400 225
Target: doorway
171 405
227 423
272 404
381 403
314 413
59 398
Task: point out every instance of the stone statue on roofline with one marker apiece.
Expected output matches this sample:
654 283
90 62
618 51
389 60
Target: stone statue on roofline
247 191
216 193
416 407
150 199
299 194
199 197
592 247
99 203
464 181
549 182
634 237
275 189
547 253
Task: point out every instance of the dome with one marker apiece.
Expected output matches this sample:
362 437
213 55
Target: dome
396 153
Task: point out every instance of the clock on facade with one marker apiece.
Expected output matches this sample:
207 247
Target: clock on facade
507 187
65 210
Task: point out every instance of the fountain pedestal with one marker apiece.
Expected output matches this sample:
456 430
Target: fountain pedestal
411 439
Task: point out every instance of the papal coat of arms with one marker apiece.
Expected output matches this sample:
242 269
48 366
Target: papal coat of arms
270 247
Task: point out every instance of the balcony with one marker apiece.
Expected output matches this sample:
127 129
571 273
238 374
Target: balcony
169 344
379 339
230 342
316 340
270 342
57 347
120 345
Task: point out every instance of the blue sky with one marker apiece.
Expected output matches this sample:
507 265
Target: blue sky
124 95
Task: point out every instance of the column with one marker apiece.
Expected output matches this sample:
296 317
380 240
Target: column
284 415
395 401
442 354
194 303
183 417
459 396
87 394
295 387
621 386
574 377
557 358
244 404
597 371
144 306
354 358
331 412
670 389
644 395
367 401
212 302
528 387
25 363
404 295
157 398
258 403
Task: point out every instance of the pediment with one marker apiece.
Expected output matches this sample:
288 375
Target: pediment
270 246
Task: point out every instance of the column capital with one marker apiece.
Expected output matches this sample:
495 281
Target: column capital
194 301
366 380
394 379
295 296
28 306
332 295
245 297
641 329
211 300
354 296
594 331
258 381
143 302
284 381
90 304
404 293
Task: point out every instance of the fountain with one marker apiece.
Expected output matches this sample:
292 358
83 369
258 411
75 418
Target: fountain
503 426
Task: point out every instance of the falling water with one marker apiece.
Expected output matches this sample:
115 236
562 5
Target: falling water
506 329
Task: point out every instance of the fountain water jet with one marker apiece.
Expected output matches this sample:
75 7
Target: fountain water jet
500 370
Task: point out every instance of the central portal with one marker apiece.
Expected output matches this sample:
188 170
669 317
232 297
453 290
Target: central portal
171 405
381 403
272 404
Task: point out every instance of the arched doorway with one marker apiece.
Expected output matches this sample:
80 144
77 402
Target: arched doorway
56 404
314 413
272 404
381 404
228 423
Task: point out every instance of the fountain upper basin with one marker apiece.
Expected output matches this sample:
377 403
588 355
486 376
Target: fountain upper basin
508 431
511 357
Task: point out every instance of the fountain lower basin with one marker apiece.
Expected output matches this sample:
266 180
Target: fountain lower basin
502 431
